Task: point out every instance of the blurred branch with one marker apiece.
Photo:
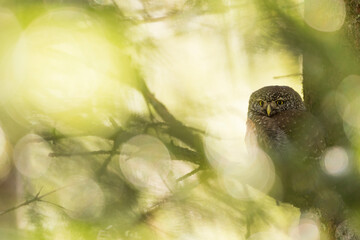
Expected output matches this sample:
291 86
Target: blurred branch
202 132
120 137
176 128
57 136
100 152
184 153
51 203
188 174
36 198
289 75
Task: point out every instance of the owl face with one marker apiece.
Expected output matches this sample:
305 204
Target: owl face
271 100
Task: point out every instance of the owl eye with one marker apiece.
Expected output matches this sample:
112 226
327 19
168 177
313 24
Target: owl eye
279 102
261 103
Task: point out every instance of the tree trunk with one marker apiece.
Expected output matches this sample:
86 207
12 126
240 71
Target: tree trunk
323 71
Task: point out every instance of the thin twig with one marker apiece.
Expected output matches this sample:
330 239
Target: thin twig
189 174
54 204
36 198
152 118
104 165
58 137
287 76
185 153
68 154
114 123
176 128
121 137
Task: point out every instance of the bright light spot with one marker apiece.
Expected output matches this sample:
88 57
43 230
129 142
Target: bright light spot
255 171
335 161
206 68
307 229
224 141
82 198
31 156
65 71
52 56
325 15
226 152
146 163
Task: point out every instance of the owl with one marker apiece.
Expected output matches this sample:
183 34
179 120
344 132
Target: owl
278 119
279 124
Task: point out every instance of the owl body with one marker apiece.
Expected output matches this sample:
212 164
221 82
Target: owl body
279 124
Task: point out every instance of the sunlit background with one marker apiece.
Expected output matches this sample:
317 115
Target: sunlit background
69 81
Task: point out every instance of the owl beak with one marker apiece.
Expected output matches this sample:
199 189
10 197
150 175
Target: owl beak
268 110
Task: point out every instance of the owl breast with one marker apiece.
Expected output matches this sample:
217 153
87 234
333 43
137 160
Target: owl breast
287 133
266 134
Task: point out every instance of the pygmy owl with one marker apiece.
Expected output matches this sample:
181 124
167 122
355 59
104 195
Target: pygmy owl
278 119
279 124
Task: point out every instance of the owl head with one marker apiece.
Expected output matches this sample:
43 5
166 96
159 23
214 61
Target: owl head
271 100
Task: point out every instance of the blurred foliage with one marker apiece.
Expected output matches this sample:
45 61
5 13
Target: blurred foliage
125 119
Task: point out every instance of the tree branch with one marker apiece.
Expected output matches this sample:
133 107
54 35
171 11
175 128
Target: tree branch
36 198
188 174
69 154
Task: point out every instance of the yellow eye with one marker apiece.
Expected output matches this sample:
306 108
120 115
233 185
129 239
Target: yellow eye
261 103
279 102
